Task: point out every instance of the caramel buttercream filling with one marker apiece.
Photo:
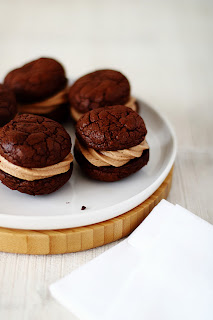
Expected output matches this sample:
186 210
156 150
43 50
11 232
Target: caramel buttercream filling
76 115
45 106
131 103
37 110
112 158
31 174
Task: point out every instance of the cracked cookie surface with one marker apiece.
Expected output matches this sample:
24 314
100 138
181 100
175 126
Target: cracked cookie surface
34 142
98 89
111 128
36 80
8 108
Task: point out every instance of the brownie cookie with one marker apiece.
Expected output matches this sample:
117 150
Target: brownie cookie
40 87
35 155
111 143
99 89
8 108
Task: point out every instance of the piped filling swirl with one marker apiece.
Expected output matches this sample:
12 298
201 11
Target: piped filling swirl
47 105
112 158
31 174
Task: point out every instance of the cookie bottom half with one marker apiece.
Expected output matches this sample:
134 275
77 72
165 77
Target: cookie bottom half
36 187
61 114
110 173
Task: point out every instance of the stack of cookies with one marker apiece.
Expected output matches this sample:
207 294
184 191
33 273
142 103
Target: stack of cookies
35 155
100 89
40 88
35 150
111 143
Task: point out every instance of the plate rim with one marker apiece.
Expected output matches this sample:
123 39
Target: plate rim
6 221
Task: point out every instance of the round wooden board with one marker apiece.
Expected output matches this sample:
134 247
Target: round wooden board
82 238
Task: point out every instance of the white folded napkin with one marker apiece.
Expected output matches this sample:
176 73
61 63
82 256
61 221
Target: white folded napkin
162 271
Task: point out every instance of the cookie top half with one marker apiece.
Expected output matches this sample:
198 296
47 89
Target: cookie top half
8 108
34 142
111 128
37 80
98 89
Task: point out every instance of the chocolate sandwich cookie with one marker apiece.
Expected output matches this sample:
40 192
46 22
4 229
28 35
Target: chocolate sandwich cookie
40 88
111 143
35 155
100 89
8 107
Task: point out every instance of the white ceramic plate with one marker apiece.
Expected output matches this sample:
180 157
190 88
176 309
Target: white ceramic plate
103 200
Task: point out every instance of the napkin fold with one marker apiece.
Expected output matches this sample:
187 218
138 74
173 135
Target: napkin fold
163 270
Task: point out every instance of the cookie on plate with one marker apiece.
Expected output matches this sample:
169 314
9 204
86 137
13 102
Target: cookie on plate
111 143
40 87
8 107
35 155
99 89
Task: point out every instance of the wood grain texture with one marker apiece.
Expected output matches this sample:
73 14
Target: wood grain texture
82 238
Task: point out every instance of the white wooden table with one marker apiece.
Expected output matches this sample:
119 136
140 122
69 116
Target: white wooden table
165 48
